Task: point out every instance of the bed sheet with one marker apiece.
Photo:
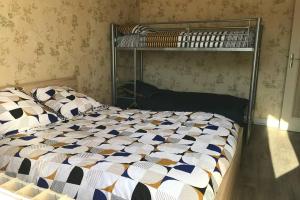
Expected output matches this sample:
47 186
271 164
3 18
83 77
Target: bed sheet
125 154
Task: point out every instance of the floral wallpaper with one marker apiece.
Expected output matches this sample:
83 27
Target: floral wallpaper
224 72
43 40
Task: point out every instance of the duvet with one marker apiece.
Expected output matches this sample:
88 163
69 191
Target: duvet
125 154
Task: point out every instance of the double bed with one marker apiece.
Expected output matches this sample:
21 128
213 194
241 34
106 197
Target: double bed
111 153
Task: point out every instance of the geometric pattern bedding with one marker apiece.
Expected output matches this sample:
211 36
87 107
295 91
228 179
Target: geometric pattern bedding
140 36
20 111
65 101
126 154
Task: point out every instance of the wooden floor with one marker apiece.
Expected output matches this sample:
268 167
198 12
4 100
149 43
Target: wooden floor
270 166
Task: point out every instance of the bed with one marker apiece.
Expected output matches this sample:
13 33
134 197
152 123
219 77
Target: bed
216 35
141 36
110 153
149 97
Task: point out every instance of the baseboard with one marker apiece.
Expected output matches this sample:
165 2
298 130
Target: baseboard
262 122
271 122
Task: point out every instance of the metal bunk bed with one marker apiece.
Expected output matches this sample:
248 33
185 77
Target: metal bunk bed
229 34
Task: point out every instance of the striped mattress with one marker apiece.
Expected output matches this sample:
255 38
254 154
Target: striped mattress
141 37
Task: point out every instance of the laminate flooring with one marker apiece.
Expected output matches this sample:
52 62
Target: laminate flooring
269 166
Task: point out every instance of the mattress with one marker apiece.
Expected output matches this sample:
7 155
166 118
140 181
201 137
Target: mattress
125 154
144 37
152 98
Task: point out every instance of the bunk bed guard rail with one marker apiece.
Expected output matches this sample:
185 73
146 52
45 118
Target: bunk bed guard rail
236 35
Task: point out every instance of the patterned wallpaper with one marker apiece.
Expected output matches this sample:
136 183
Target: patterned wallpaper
42 40
224 72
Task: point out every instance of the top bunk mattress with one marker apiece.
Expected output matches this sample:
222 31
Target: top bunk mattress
145 37
125 154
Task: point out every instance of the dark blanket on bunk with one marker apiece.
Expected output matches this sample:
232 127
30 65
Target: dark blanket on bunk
151 98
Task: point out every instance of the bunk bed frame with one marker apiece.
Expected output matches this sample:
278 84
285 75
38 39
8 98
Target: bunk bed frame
250 24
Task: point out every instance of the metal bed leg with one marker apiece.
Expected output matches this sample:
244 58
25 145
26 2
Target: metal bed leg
254 78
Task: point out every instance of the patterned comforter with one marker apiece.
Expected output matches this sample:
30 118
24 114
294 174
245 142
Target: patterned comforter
125 154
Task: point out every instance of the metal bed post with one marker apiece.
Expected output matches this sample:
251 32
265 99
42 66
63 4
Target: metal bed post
114 64
254 77
135 72
141 66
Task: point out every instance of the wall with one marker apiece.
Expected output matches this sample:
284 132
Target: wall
42 40
224 72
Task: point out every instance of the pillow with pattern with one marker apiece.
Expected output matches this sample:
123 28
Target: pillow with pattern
19 112
65 101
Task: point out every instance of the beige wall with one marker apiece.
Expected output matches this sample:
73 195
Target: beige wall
42 40
224 72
